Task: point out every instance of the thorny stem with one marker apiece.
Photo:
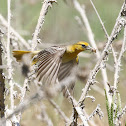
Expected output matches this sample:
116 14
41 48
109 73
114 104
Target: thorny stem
32 100
106 33
43 12
104 29
62 114
92 41
114 34
14 32
9 60
118 62
2 83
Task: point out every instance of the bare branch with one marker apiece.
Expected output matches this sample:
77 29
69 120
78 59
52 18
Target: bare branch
104 29
44 116
98 112
39 95
9 60
61 113
117 28
78 111
118 62
119 116
93 43
43 12
2 83
14 32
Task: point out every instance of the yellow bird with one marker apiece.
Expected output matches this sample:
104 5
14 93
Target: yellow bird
56 62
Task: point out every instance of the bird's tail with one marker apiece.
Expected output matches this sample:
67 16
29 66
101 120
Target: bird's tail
18 54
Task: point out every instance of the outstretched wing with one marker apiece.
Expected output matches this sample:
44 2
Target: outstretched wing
66 70
48 62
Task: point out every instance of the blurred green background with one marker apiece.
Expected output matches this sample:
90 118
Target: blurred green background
61 27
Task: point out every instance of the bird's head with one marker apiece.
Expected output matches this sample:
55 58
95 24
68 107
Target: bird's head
82 46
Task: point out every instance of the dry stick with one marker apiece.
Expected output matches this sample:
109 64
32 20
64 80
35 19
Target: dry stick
39 95
85 55
114 54
92 41
18 85
43 116
23 92
53 90
32 100
103 27
22 40
2 84
119 116
117 28
106 33
43 12
117 70
79 110
61 113
9 60
118 62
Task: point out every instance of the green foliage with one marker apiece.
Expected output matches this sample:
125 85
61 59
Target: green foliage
114 109
116 112
112 113
108 109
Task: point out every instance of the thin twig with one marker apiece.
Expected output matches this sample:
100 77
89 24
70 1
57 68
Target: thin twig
9 60
14 32
2 81
92 41
43 12
117 28
23 93
118 62
98 112
61 113
104 29
44 116
39 95
119 116
79 111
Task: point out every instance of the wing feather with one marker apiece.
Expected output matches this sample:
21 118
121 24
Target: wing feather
51 68
52 74
44 70
49 61
67 69
43 66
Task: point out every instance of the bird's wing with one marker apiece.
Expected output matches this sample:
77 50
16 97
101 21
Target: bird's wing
66 70
48 64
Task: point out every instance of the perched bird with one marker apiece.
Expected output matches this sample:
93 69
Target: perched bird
56 62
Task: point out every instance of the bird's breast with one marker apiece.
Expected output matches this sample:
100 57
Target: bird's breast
69 56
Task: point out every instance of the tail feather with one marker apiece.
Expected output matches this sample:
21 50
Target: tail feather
19 53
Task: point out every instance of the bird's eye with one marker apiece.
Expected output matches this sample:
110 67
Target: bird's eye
83 46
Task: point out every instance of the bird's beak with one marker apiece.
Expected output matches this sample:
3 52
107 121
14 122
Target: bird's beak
90 48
